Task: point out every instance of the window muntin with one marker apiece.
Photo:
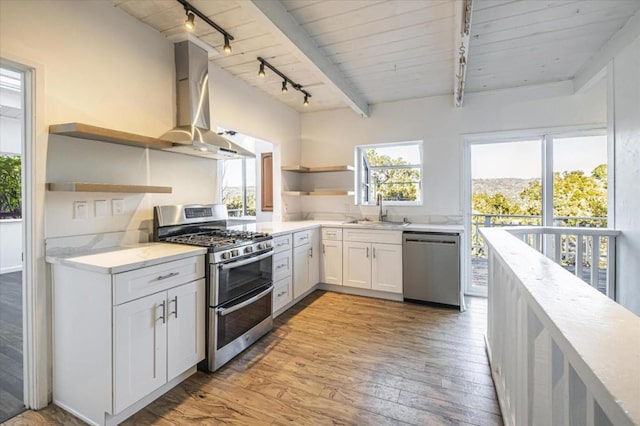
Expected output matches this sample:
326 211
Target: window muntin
393 170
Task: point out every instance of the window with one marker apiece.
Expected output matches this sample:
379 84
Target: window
393 170
239 187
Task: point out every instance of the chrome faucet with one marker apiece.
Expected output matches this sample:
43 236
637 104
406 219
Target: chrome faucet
381 216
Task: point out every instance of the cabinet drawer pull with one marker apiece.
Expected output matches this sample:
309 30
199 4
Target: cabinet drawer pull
170 275
175 304
374 252
323 249
367 252
282 293
284 243
164 310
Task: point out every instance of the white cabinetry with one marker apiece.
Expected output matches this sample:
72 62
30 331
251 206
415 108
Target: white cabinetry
331 265
121 340
373 260
282 271
306 261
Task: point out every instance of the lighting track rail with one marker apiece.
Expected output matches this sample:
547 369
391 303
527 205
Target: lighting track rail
190 24
285 80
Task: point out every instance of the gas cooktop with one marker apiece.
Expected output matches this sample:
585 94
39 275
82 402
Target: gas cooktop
219 239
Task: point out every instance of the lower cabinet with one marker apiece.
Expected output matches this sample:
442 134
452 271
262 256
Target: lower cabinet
331 271
155 339
306 261
120 339
372 266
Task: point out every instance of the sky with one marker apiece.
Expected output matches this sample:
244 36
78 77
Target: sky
523 159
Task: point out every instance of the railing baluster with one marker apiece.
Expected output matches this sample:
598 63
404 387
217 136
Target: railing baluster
557 249
579 256
611 267
595 261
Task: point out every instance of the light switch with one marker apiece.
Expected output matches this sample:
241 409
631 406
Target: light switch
101 209
117 206
80 210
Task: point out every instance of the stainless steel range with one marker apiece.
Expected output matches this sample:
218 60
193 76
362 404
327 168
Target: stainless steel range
239 276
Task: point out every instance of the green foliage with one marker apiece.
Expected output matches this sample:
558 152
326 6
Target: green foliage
233 200
575 194
10 186
394 184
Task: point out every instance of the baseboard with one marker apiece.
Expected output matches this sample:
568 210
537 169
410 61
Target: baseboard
497 385
361 292
9 269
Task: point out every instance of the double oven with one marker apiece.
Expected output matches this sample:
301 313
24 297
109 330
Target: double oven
239 276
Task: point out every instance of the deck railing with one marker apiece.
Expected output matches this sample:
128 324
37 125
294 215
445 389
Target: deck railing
560 351
587 250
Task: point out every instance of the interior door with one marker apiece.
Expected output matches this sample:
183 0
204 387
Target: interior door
140 349
185 327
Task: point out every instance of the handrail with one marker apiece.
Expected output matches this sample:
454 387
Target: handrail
564 230
560 351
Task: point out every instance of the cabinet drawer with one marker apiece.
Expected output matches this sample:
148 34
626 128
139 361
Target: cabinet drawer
373 236
300 238
141 282
332 234
282 293
282 243
281 265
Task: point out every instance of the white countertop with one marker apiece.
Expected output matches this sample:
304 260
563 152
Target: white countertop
127 258
279 228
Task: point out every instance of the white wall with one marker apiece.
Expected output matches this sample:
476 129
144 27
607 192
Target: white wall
626 121
329 137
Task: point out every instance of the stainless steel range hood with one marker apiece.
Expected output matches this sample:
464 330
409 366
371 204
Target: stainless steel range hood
192 134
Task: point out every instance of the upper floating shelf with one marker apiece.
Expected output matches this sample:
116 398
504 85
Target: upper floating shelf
107 187
303 169
86 131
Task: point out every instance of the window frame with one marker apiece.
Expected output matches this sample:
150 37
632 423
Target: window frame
362 176
243 192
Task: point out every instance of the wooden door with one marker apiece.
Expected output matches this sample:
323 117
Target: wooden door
386 267
266 183
356 264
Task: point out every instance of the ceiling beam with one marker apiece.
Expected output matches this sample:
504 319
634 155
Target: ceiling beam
595 67
274 16
462 28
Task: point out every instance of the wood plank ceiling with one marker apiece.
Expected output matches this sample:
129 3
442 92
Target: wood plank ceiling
390 50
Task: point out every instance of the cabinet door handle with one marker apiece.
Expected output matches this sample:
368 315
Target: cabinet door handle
367 252
311 252
170 275
374 252
175 304
164 310
323 249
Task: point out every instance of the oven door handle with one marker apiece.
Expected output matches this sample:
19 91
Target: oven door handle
239 263
226 311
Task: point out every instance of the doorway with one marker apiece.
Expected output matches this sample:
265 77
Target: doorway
554 178
12 231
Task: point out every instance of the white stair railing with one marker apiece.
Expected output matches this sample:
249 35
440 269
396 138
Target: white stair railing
561 353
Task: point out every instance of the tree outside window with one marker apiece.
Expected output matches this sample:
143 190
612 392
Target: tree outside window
10 186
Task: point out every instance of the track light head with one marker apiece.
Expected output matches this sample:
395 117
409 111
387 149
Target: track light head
189 23
261 72
306 100
284 87
227 45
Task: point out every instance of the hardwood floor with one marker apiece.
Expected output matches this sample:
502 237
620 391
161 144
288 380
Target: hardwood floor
336 359
11 376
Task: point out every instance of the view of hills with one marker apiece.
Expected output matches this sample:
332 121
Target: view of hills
510 187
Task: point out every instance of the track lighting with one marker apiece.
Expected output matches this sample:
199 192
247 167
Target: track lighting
227 46
285 80
190 24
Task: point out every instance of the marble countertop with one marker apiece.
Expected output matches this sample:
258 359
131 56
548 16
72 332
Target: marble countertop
127 258
280 228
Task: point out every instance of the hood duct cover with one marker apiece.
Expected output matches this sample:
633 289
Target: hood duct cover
192 134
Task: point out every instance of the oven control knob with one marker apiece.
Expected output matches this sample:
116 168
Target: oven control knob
226 255
248 249
234 252
264 245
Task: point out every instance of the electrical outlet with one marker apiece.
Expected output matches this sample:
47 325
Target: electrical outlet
117 206
80 210
100 208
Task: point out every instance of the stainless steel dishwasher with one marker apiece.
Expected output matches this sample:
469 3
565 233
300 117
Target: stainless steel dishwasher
431 267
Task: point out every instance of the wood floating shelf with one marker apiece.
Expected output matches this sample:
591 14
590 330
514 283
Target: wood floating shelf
86 131
324 169
107 187
317 193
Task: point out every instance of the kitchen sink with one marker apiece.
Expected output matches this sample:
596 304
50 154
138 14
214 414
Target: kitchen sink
368 222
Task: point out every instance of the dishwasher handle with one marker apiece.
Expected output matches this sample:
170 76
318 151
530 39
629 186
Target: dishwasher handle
411 240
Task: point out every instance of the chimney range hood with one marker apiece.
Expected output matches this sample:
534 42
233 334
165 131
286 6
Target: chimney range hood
192 134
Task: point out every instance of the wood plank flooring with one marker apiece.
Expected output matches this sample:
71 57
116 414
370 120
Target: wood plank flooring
336 359
11 376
